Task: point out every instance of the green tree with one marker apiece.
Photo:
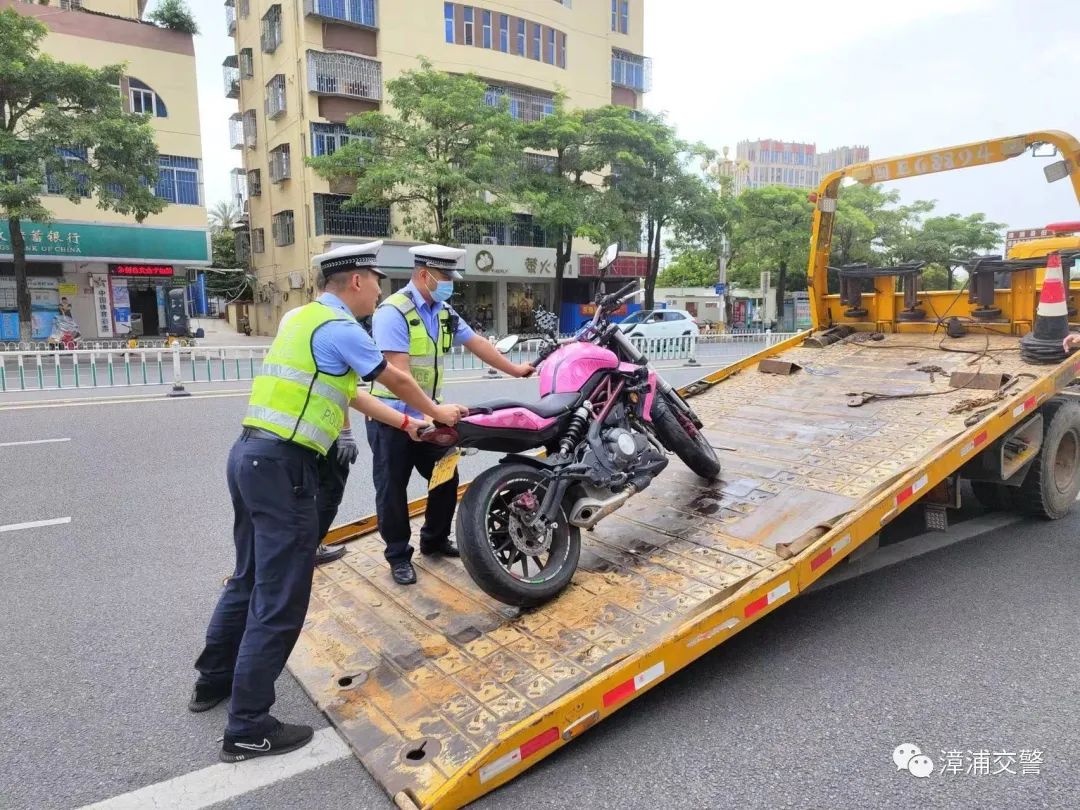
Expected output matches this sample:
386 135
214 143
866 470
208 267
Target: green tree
563 188
63 123
658 185
224 215
949 240
691 268
435 157
771 231
174 15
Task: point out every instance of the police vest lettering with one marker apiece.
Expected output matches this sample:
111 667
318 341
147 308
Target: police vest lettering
290 397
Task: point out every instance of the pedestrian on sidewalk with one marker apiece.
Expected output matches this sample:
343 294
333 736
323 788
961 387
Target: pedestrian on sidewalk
415 328
295 413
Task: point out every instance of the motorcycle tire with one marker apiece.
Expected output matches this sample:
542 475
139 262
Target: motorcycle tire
485 544
682 437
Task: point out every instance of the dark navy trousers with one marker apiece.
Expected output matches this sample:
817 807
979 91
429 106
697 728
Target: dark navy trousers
258 618
394 457
332 477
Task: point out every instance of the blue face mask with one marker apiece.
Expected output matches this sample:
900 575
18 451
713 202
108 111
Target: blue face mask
443 290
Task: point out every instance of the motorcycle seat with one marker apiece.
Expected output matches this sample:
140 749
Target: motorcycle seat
549 406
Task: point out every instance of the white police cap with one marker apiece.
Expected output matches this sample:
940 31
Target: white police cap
350 257
439 257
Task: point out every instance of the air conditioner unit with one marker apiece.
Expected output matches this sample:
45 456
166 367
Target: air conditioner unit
489 240
296 280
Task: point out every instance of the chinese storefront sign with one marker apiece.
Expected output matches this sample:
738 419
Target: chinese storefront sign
142 270
101 306
509 260
118 243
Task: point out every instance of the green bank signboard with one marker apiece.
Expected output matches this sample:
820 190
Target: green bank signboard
108 243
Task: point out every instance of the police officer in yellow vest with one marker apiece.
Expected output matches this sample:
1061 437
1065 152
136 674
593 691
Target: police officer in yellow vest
297 409
415 328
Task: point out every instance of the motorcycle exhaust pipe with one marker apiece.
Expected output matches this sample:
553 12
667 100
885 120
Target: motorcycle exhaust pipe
587 512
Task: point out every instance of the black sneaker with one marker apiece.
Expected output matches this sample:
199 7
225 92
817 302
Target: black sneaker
206 696
281 739
327 554
403 573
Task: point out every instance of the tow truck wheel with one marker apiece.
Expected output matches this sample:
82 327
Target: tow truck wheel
1053 482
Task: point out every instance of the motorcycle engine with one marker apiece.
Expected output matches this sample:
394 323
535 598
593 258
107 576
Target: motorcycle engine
623 446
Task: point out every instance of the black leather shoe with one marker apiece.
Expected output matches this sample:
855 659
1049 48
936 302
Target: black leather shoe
447 548
281 739
403 573
327 554
206 696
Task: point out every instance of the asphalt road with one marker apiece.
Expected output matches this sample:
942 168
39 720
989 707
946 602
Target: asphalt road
972 646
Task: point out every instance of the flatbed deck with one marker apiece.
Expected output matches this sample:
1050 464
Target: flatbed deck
444 693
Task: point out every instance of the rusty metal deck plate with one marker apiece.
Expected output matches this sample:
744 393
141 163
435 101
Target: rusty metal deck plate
422 679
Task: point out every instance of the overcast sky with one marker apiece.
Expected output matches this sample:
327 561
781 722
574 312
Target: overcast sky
898 75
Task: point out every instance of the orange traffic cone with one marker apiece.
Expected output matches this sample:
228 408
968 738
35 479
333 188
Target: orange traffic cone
1043 344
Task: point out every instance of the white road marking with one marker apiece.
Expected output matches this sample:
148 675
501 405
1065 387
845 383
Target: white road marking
34 441
221 782
14 527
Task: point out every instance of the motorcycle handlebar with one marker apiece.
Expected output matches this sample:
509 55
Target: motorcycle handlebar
614 297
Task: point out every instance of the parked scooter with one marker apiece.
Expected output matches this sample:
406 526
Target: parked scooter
606 420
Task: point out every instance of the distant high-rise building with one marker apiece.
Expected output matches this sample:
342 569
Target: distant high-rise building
785 163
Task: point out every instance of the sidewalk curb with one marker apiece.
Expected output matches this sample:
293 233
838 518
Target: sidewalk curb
916 547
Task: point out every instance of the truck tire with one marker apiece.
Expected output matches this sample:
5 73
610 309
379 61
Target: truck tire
1053 482
994 497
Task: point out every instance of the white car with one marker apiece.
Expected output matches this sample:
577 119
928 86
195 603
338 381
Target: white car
660 323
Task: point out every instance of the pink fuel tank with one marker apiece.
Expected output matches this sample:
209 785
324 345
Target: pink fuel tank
569 366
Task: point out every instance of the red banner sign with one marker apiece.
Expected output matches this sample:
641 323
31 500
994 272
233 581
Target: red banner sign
144 270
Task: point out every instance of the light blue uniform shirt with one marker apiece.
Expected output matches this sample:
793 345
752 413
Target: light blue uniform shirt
343 344
391 332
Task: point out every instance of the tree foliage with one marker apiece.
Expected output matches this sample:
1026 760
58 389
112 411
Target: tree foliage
693 267
174 15
63 123
436 157
223 215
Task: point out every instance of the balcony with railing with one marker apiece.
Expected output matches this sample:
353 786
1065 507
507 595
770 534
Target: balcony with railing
238 184
271 29
230 71
274 104
531 162
242 242
236 131
349 12
520 231
524 105
280 163
230 17
246 62
254 182
339 74
631 71
332 218
250 134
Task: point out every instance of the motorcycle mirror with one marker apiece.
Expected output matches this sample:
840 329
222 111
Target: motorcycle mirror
608 257
506 345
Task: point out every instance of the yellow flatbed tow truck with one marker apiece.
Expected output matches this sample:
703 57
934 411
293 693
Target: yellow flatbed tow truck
445 694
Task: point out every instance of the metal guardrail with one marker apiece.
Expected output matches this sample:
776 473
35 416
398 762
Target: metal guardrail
111 366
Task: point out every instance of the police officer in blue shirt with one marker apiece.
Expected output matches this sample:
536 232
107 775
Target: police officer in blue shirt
415 328
296 412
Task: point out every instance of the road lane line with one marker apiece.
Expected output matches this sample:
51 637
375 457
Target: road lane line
34 524
221 782
34 441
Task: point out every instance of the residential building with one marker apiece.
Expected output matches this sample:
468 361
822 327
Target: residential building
301 71
115 275
786 163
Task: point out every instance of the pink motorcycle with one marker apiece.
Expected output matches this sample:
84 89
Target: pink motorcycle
606 421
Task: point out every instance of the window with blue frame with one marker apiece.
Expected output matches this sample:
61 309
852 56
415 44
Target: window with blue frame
178 179
448 17
614 15
361 12
487 29
72 158
504 33
328 138
535 52
521 36
144 101
468 25
624 16
550 46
